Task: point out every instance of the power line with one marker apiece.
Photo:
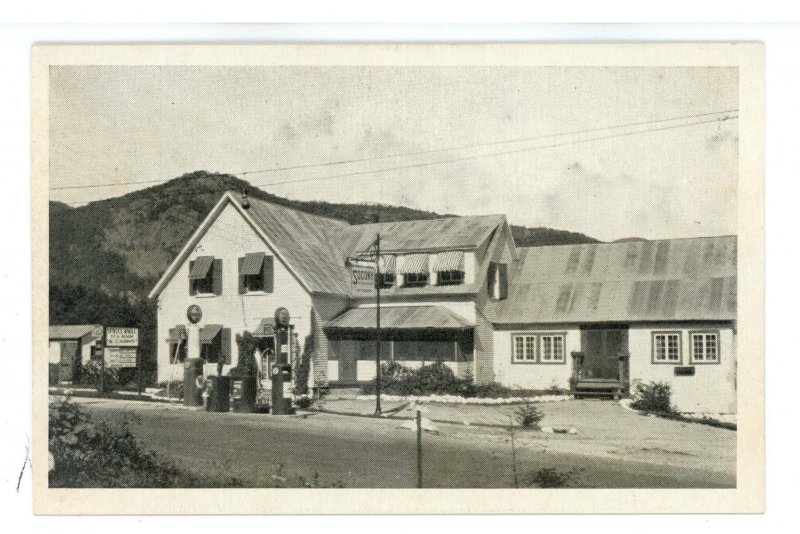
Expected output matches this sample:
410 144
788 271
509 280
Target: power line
477 145
416 153
477 156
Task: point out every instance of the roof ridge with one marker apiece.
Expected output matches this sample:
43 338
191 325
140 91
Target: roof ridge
234 194
526 247
497 215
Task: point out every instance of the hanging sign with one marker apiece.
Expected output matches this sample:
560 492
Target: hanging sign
119 357
362 277
122 337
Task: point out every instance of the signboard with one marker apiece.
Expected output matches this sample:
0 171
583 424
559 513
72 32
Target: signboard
97 332
122 337
362 277
236 390
118 357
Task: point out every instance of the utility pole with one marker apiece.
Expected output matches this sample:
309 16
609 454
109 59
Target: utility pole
378 284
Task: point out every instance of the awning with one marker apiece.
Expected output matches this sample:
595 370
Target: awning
209 332
252 263
201 266
388 264
265 328
449 261
177 334
414 264
400 317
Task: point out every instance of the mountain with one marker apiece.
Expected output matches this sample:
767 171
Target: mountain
121 245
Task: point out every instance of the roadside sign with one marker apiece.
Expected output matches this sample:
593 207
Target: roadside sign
122 337
119 357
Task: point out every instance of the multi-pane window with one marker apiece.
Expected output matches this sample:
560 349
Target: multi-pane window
552 348
415 279
539 348
705 347
524 348
450 278
667 347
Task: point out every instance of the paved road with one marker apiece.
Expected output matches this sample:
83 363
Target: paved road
366 452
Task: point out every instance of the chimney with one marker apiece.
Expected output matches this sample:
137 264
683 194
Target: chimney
245 202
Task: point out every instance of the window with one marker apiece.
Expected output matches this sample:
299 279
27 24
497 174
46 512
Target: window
497 281
177 344
211 343
524 349
667 347
705 347
205 276
552 349
415 279
255 273
450 278
389 279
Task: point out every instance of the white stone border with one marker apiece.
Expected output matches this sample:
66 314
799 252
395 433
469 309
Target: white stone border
455 399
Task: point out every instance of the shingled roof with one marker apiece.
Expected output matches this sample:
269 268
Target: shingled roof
675 279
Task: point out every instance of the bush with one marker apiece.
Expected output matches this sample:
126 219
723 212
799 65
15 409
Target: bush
550 477
87 454
92 372
434 379
303 401
653 397
175 388
529 415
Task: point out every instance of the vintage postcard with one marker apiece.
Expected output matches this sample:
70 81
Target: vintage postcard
399 278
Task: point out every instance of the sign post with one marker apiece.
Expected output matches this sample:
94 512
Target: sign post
121 350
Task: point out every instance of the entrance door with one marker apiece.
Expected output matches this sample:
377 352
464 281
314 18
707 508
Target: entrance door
601 347
348 361
69 361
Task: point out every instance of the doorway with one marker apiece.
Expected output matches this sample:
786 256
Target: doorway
601 347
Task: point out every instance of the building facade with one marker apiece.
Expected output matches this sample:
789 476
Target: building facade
458 290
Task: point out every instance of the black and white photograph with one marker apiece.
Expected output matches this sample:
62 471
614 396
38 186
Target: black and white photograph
422 275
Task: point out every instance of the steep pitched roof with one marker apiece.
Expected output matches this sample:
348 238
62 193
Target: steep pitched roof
675 279
314 249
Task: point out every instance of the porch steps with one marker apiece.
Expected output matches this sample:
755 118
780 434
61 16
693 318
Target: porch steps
597 388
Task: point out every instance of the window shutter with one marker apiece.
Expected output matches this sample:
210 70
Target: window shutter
216 275
502 272
225 349
241 277
269 274
490 279
192 290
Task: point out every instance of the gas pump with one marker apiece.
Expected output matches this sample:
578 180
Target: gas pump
281 372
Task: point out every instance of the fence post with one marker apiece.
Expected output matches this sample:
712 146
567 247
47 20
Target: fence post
419 449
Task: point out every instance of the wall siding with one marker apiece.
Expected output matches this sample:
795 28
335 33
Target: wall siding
229 238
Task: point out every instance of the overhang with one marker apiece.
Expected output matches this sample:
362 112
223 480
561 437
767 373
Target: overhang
400 318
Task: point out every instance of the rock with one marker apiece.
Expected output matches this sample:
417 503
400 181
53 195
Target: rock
426 424
573 431
547 430
466 423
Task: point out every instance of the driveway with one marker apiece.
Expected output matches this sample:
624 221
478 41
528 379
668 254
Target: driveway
636 451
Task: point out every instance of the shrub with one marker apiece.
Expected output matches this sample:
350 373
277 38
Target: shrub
529 415
303 401
92 372
653 397
302 365
434 379
550 477
89 454
175 388
491 390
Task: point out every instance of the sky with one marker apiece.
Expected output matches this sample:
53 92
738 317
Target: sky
537 144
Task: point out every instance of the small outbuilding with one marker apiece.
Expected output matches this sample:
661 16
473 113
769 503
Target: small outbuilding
70 349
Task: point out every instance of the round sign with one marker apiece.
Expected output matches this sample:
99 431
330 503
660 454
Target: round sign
97 332
194 313
282 317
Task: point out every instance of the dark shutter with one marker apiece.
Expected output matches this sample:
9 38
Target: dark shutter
490 278
502 272
241 277
192 290
269 274
216 274
225 339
